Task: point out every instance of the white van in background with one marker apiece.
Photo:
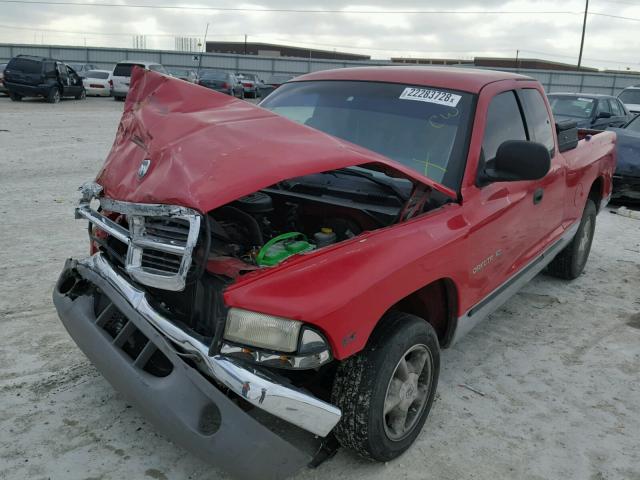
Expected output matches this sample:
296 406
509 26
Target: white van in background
122 76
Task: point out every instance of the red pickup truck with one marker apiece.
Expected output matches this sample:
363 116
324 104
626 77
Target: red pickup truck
307 259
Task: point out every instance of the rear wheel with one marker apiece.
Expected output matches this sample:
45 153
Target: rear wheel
82 95
15 97
570 262
54 95
386 391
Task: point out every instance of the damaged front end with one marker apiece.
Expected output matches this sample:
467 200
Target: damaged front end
117 306
201 194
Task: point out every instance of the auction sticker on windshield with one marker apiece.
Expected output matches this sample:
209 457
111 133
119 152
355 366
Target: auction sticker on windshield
430 96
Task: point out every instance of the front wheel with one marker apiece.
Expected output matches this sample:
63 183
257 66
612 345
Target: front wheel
54 95
82 95
15 97
570 262
386 391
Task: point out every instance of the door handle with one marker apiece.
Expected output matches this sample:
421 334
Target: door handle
537 195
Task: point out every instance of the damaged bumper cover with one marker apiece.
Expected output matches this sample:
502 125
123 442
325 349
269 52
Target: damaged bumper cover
185 405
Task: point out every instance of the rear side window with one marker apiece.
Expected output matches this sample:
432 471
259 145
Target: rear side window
25 65
538 120
124 69
504 122
49 68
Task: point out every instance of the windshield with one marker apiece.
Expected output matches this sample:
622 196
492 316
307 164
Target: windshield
100 75
423 128
630 96
634 125
567 106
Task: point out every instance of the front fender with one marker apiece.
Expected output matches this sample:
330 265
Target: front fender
346 288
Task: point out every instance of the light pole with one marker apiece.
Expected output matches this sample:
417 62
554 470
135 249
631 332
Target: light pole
584 27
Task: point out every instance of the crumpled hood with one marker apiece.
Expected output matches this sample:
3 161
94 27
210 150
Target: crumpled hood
208 149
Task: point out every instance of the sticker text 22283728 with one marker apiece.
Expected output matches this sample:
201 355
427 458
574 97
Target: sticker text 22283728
430 96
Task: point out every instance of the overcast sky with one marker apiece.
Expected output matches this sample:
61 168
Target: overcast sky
610 42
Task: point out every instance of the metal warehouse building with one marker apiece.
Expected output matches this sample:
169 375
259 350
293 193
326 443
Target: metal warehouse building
273 50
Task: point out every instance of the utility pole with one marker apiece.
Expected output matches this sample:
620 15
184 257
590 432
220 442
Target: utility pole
517 58
245 43
584 27
204 48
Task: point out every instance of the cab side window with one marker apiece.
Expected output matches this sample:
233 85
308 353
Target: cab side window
538 121
504 122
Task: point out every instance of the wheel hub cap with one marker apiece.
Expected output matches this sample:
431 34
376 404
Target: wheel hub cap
407 392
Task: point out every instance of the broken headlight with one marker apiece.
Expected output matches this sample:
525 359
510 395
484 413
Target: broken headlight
279 342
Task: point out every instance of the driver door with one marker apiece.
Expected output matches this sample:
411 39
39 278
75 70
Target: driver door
63 78
75 82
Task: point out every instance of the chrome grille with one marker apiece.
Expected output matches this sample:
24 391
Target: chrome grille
160 240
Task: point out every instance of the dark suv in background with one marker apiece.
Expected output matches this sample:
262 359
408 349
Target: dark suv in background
27 76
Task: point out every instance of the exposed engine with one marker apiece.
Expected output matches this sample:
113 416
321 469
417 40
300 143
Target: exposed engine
263 229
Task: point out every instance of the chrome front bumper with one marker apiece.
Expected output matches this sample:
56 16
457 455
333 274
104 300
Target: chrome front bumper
258 386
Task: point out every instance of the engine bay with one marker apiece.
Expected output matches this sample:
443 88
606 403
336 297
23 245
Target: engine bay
303 214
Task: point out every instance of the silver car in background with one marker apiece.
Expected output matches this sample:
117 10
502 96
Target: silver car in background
630 96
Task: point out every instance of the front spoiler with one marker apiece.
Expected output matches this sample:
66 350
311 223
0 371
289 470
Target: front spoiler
185 406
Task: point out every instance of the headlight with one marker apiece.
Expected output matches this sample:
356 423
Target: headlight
261 330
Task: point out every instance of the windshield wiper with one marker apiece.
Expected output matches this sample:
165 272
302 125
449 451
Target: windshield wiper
388 185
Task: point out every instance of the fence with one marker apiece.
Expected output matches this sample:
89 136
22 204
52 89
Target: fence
553 81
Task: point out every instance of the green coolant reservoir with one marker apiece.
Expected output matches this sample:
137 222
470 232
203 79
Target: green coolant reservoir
282 247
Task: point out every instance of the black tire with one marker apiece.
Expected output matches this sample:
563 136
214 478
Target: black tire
15 97
82 95
54 95
362 384
570 262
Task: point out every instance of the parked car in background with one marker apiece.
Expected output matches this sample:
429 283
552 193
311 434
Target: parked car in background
82 68
626 180
121 76
251 83
29 76
185 74
630 96
589 110
3 89
98 83
223 82
274 81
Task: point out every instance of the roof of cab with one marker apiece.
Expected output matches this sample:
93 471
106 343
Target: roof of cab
455 78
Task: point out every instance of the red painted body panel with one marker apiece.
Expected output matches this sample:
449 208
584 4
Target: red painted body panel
205 157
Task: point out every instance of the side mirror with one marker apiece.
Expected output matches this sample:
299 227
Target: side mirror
604 115
517 160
